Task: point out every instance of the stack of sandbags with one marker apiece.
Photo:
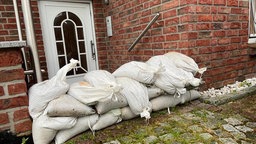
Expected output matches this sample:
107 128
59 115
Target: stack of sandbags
102 99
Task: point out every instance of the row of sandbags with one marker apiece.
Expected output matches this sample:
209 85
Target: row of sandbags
117 96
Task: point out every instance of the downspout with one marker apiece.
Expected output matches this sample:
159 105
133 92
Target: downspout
15 5
30 34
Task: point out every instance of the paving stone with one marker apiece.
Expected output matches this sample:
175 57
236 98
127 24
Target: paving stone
238 135
187 136
245 142
175 118
240 118
206 136
221 133
195 128
251 124
190 116
150 139
228 141
229 128
167 137
126 139
233 121
159 130
244 129
113 142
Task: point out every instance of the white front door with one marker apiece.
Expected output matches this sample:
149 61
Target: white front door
68 32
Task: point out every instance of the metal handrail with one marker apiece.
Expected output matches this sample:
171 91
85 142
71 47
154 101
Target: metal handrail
144 31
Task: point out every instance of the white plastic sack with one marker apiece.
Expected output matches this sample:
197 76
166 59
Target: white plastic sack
40 134
136 95
173 79
67 106
154 91
42 93
108 119
184 62
138 71
83 124
164 101
102 78
109 104
190 95
56 123
126 113
88 94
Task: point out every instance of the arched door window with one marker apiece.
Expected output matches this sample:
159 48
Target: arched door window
70 41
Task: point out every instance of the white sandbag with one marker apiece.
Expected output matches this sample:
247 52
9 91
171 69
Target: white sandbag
190 95
173 79
102 78
40 134
107 119
138 71
126 113
56 123
42 93
136 95
164 101
83 124
154 91
110 104
184 62
88 94
68 106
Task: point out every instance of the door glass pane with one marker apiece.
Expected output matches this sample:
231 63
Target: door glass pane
83 64
59 18
70 40
60 48
58 35
80 33
62 61
81 47
74 18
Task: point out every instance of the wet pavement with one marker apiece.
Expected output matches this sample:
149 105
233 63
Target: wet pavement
193 122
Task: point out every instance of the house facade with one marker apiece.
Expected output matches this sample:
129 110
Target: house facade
99 33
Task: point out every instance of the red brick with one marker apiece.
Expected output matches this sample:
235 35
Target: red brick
4 119
170 29
23 126
17 88
205 2
204 18
170 5
1 91
235 25
172 37
203 42
10 57
224 41
236 10
219 33
13 102
219 18
236 40
232 2
224 10
203 26
169 14
10 75
20 114
219 2
203 9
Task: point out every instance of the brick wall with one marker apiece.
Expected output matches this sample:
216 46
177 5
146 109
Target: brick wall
213 32
14 114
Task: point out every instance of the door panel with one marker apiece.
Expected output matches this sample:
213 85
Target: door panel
68 33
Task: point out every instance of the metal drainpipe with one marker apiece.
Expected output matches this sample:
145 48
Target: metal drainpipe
30 34
15 5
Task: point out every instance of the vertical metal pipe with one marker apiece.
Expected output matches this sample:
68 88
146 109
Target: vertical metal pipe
144 31
30 35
